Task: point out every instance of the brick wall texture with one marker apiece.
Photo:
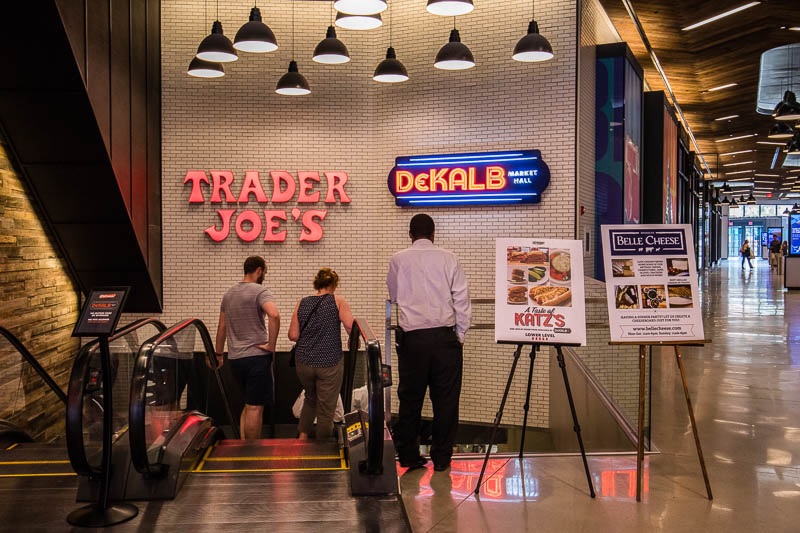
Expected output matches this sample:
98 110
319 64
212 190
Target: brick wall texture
351 123
39 306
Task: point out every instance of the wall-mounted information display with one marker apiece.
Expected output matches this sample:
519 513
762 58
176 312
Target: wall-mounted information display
651 283
101 312
539 293
794 234
491 178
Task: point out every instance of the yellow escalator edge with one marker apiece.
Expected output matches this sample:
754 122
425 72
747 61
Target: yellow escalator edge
201 464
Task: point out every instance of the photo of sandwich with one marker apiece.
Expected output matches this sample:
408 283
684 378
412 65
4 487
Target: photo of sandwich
516 275
518 294
548 295
527 257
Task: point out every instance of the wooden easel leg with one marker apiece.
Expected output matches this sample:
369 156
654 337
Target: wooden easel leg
527 405
679 359
499 416
575 425
640 428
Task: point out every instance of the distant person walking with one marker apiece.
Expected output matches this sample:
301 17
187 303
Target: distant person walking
430 289
745 250
251 346
316 326
774 252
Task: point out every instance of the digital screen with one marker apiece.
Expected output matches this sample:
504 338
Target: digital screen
794 234
765 238
775 231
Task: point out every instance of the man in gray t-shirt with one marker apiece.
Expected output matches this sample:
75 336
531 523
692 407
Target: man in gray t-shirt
251 344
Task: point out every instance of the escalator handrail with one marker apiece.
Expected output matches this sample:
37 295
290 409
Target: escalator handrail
31 360
74 426
376 415
137 408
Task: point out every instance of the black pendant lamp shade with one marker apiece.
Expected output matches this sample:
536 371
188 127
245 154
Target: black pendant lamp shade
358 22
293 83
450 8
726 189
533 46
454 55
780 130
725 201
788 109
794 145
390 70
331 50
205 69
255 36
360 7
734 203
216 47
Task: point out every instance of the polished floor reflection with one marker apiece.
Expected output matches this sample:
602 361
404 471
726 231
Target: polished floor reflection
745 388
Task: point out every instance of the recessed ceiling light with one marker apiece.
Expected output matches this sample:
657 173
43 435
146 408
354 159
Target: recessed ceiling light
768 175
720 87
738 172
795 170
771 143
736 153
737 164
721 15
729 117
737 138
795 28
768 182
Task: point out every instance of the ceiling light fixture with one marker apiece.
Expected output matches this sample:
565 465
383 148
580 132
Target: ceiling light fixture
750 199
360 7
738 172
780 130
330 50
767 175
725 201
720 87
737 164
729 117
216 47
293 83
771 143
736 138
794 146
736 153
726 188
721 15
450 8
200 68
533 47
734 203
255 36
390 70
454 55
788 109
358 22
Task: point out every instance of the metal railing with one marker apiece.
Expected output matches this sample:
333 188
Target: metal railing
31 360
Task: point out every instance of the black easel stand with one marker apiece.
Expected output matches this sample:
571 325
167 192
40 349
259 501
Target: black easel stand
499 416
103 514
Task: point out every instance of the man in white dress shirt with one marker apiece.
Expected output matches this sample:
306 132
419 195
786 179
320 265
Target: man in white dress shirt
430 289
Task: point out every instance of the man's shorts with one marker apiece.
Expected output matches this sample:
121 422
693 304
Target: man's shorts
254 376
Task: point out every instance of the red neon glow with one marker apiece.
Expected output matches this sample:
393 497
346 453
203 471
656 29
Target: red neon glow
450 180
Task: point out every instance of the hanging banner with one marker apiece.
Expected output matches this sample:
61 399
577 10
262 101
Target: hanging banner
652 288
539 295
486 178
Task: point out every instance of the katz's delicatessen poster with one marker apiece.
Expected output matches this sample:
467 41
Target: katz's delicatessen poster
651 283
539 295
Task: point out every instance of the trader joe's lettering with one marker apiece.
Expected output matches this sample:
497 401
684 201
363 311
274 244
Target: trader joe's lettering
266 224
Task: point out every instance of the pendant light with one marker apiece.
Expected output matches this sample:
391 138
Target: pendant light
293 83
200 68
454 55
794 145
724 201
751 200
255 36
358 22
780 130
788 109
360 7
533 47
390 70
216 47
734 203
331 50
450 8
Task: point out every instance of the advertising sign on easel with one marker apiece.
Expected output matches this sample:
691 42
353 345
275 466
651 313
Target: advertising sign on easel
539 294
652 291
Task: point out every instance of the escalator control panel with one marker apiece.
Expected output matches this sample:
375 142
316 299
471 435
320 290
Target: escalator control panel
386 375
93 382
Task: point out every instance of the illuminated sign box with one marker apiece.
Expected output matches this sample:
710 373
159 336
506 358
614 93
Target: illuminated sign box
491 178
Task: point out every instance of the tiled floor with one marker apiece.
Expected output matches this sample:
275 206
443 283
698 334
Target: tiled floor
745 388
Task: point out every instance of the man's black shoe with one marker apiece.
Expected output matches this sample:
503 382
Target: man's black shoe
442 467
419 462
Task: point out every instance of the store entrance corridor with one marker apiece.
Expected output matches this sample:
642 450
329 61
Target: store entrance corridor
745 387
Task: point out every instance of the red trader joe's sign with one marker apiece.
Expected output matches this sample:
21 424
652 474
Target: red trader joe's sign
266 216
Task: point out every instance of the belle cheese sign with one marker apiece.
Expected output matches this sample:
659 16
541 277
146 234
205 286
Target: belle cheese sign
491 178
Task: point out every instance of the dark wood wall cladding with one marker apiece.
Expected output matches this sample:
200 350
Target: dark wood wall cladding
80 110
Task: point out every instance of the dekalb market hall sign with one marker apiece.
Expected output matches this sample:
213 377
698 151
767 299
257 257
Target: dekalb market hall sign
491 178
265 223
